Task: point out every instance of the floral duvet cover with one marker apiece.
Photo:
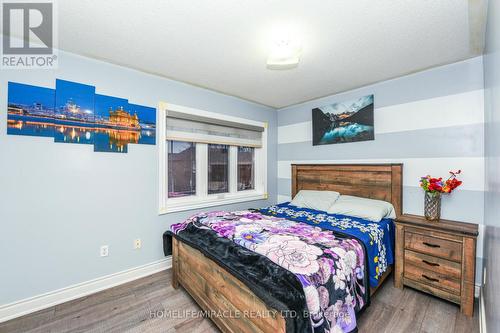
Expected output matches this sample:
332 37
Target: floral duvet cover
315 277
377 237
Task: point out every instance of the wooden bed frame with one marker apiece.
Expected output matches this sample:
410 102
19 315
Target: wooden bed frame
218 291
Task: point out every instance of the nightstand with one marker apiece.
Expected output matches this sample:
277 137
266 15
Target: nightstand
437 257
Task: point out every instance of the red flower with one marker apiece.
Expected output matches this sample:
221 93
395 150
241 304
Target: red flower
437 185
453 183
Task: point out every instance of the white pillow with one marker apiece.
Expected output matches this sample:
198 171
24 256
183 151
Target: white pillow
368 209
318 200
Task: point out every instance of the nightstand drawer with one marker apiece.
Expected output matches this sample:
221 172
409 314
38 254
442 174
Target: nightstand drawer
431 278
433 291
444 267
434 246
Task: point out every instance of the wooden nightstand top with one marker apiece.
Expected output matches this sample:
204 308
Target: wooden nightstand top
463 228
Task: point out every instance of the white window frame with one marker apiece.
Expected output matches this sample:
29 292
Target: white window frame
202 199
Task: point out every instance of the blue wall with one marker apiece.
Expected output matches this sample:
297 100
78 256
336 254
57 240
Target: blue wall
491 291
60 202
432 121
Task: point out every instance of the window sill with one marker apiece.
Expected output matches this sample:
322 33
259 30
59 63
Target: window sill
211 201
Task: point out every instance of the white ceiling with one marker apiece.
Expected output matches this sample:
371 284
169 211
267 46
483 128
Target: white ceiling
223 44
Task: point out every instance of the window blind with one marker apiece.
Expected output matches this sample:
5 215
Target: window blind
191 128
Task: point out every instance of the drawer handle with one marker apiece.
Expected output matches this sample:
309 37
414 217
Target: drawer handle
429 278
429 263
431 245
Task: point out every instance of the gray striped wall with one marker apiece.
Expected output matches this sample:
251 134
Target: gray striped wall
441 81
491 290
456 142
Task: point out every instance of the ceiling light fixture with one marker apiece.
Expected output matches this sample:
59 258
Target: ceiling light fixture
284 54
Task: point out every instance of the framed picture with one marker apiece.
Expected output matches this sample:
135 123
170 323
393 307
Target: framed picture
349 121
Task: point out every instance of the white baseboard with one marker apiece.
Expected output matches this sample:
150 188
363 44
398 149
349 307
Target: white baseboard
477 291
482 315
43 301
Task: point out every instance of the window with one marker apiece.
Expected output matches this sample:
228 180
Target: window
207 159
218 169
182 169
245 168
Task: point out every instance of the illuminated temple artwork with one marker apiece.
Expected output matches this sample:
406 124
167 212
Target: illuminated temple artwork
74 113
121 118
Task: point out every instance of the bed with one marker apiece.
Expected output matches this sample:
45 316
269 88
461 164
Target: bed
243 291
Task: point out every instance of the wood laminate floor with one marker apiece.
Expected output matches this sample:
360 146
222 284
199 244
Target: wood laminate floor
151 304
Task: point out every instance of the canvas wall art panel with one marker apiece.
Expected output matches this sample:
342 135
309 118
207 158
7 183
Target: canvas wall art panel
147 122
30 110
111 115
74 113
348 121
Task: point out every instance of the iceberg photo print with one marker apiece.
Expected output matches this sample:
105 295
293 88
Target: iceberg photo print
349 121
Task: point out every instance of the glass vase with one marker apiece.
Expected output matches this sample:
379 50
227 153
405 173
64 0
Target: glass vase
432 206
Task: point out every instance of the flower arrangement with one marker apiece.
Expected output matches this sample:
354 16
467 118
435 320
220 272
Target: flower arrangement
436 185
433 188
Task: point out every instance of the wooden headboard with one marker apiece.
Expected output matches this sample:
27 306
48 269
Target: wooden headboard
373 181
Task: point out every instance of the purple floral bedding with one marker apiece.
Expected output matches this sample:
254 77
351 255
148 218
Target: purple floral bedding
330 268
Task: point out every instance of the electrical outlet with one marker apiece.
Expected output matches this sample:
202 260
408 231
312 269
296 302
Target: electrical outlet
104 250
137 244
